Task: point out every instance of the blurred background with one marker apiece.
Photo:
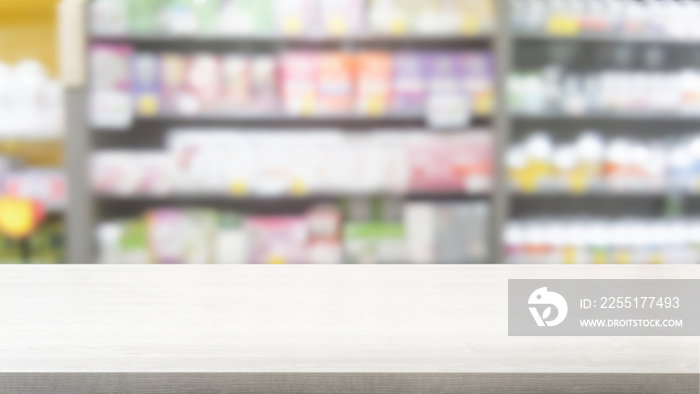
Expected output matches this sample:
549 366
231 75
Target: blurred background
350 131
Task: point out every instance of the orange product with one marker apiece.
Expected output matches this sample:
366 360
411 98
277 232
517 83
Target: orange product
374 76
336 80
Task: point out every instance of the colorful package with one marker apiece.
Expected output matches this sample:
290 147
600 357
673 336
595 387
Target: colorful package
456 163
236 79
144 15
300 83
204 81
207 13
336 82
175 96
133 244
231 245
264 83
277 240
388 17
447 103
480 75
145 83
411 71
201 231
419 223
110 86
374 243
295 17
341 17
374 77
239 17
167 235
177 17
325 238
109 17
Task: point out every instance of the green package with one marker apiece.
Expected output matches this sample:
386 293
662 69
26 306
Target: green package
133 244
208 12
374 243
202 225
143 15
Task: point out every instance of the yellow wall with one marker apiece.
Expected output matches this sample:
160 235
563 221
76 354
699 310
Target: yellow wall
27 30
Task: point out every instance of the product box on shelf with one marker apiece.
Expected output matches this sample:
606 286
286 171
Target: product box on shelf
175 17
335 82
264 83
109 17
296 17
341 17
419 220
241 17
410 79
110 86
300 82
325 243
388 17
236 83
145 83
374 243
454 164
277 240
231 245
447 103
479 78
175 97
204 81
374 82
167 235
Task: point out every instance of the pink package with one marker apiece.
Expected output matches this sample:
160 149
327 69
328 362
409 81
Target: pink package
204 81
451 163
167 235
277 240
410 78
299 82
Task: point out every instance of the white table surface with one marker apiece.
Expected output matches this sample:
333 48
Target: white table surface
305 319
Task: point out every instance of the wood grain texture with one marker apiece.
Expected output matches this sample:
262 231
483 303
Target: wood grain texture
305 319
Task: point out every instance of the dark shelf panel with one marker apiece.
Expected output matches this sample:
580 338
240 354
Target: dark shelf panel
194 197
282 40
291 121
641 115
612 38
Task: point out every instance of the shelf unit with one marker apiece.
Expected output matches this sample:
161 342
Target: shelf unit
86 208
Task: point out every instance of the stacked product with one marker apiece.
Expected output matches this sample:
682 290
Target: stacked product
30 102
415 232
652 18
551 90
603 241
291 17
299 83
593 164
246 163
